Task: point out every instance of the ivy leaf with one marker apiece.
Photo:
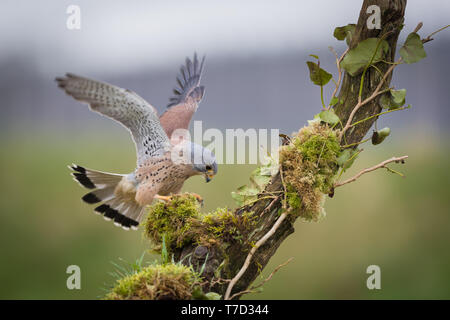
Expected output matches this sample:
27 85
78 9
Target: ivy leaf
346 158
379 136
248 191
334 101
358 58
259 179
345 32
318 75
398 97
213 296
238 199
269 170
314 121
271 166
244 195
412 50
393 99
328 116
385 101
197 294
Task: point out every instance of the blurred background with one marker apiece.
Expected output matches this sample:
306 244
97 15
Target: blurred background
255 77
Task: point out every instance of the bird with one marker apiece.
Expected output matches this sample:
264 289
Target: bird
164 160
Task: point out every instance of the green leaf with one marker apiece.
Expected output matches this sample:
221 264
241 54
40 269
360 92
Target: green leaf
334 101
346 158
314 56
242 200
213 296
260 180
314 121
244 195
358 58
345 32
385 101
412 50
328 116
318 75
379 136
393 99
271 166
248 191
239 199
398 97
269 170
384 132
197 294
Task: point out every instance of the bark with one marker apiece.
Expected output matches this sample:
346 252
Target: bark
392 16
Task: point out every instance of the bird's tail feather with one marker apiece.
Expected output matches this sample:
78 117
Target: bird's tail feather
124 211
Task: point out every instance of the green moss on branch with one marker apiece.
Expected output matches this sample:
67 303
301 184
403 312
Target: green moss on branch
180 222
156 282
309 164
171 220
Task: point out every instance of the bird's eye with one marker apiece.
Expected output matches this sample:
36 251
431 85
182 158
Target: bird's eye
208 168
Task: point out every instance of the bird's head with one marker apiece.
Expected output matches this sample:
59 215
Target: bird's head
204 161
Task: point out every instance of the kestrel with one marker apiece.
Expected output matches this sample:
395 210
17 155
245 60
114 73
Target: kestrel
123 197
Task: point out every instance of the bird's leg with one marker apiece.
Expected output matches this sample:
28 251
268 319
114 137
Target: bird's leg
169 198
199 198
164 198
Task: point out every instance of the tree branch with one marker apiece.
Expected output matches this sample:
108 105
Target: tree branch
429 37
271 228
253 288
338 65
252 252
392 17
367 170
375 94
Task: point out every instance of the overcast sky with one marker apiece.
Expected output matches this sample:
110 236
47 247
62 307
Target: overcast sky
123 36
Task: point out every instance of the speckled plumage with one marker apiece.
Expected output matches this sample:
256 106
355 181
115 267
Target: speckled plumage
160 176
124 197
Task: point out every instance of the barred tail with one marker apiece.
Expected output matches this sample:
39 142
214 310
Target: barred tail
115 204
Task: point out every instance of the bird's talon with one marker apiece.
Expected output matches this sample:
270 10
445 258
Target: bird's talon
199 199
164 198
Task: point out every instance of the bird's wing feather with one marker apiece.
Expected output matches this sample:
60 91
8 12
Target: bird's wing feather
186 98
124 106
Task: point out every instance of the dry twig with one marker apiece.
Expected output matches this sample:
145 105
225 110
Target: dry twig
252 252
429 38
367 170
253 289
375 94
338 64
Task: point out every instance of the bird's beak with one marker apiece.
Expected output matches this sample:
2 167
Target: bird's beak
208 176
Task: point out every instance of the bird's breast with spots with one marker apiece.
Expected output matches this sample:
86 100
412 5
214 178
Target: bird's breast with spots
163 175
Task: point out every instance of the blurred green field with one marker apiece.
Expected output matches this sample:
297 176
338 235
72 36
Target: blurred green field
402 225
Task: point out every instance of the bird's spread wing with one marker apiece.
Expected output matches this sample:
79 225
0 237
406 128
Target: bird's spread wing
186 98
124 106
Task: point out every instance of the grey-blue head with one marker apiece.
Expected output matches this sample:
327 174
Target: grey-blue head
203 160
